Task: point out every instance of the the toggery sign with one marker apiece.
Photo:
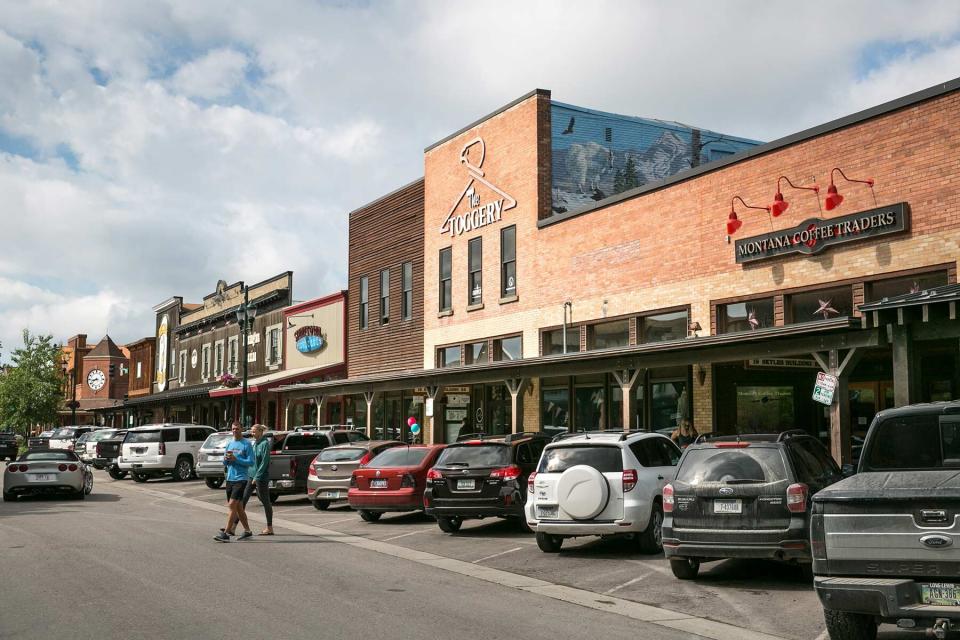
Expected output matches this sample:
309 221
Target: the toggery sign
479 213
814 235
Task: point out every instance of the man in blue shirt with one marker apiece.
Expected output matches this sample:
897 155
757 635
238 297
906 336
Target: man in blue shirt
237 458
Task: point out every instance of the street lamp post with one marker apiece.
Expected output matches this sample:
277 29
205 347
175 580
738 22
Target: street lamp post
245 316
68 377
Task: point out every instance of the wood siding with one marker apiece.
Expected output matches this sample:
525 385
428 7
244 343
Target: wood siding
384 235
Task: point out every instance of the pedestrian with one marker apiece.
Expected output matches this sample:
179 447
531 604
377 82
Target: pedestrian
259 479
237 458
685 434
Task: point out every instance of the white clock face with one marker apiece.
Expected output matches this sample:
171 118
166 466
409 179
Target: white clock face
96 379
193 359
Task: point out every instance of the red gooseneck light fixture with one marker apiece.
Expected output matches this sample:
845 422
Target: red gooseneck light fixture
780 205
834 199
733 222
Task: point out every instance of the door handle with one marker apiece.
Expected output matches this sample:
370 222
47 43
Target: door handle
659 477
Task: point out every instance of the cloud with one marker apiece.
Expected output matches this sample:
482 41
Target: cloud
213 76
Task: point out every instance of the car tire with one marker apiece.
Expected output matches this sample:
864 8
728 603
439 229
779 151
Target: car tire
213 483
523 525
685 568
321 505
9 497
549 543
370 516
88 484
449 524
842 625
117 474
183 471
139 477
650 540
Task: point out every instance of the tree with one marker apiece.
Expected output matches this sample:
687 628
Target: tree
31 388
626 178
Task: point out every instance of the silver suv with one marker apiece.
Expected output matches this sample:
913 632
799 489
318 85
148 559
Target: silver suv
601 484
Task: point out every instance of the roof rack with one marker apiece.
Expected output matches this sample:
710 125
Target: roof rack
791 433
479 435
631 432
524 434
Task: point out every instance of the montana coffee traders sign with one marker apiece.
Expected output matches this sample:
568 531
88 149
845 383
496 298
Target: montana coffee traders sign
814 235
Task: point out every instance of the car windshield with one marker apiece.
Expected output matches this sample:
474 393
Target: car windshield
63 433
35 456
399 457
217 440
914 442
103 434
341 455
603 459
475 455
136 437
83 438
305 441
747 465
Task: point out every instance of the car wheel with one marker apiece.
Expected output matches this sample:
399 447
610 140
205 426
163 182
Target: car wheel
370 516
685 568
522 525
449 524
183 470
117 473
88 484
138 477
274 497
549 543
9 497
214 483
650 540
842 625
321 505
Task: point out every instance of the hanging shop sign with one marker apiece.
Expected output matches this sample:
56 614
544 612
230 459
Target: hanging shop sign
816 234
309 339
162 356
824 389
478 213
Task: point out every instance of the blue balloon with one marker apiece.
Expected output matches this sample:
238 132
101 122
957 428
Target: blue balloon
415 428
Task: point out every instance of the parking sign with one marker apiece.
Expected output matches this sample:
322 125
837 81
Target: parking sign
824 389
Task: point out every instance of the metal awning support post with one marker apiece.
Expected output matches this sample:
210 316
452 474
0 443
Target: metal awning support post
516 387
368 396
318 400
432 437
627 379
840 432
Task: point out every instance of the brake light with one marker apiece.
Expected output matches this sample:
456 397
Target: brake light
530 482
163 449
353 480
731 445
367 457
668 498
433 474
473 442
507 473
629 479
313 472
12 468
818 537
62 467
70 447
407 480
72 467
23 468
797 497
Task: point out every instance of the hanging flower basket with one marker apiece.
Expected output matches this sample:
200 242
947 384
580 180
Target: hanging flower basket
229 380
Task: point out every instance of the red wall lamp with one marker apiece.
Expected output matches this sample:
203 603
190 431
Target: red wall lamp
733 222
834 199
780 205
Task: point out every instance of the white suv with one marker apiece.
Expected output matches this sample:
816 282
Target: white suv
160 449
600 484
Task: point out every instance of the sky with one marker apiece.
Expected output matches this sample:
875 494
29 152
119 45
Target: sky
149 149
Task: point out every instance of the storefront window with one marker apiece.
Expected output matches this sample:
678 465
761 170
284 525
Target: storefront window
508 348
553 341
456 416
669 403
615 420
448 357
589 403
555 406
745 316
607 335
499 418
825 304
639 419
664 326
900 286
476 353
764 409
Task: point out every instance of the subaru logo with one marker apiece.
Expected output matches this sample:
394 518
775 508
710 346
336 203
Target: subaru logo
726 491
936 540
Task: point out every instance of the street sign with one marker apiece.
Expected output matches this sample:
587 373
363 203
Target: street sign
824 389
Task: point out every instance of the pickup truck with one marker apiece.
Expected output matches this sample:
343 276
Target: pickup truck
108 452
886 541
293 451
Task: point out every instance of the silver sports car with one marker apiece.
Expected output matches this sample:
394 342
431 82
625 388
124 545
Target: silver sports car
47 471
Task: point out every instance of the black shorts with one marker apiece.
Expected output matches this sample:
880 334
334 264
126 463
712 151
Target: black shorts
235 489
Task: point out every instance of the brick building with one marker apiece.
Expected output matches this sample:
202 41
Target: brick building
671 299
103 383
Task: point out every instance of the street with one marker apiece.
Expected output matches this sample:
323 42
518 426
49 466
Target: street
138 560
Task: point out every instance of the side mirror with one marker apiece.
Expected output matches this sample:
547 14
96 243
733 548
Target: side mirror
848 470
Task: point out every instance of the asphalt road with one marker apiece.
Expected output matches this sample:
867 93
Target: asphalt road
138 560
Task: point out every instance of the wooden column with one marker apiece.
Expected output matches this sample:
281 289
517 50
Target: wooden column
318 400
627 379
516 387
368 396
906 380
840 365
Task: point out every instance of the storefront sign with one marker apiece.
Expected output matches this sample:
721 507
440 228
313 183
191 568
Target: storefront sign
456 415
162 355
478 213
816 234
824 389
457 400
252 356
309 339
781 363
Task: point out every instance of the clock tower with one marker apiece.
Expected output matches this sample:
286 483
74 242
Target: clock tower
104 375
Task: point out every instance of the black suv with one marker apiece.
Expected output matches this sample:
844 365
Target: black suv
744 496
483 476
9 447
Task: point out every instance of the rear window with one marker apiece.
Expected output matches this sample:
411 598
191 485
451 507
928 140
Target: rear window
732 466
399 457
138 437
341 455
217 440
475 455
103 434
63 433
67 456
603 459
914 442
296 441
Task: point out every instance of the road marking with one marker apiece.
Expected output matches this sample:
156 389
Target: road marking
592 600
404 535
496 555
629 582
354 519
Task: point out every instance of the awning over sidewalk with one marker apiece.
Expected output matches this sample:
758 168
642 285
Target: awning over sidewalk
187 393
270 380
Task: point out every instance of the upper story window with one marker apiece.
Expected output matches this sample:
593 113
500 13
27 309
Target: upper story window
232 354
607 335
824 304
139 369
406 310
899 286
448 357
508 261
385 296
274 343
475 271
446 285
205 369
364 301
745 316
476 353
663 326
552 341
183 367
218 358
508 348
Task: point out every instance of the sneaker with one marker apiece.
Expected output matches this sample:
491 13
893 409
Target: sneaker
222 537
245 535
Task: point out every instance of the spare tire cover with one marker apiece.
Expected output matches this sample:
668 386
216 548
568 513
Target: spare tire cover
582 492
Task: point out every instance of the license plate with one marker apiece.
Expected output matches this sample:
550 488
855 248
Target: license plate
727 506
944 594
464 484
214 456
40 477
547 512
378 484
329 494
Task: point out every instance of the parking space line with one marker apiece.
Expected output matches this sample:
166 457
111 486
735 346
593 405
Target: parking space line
497 555
629 582
404 535
354 519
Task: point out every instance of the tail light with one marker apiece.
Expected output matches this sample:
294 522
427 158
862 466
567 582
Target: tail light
629 479
818 537
433 474
507 473
797 497
530 482
353 481
163 448
367 457
293 467
12 468
732 445
99 451
668 499
407 480
23 468
72 467
70 447
62 467
313 472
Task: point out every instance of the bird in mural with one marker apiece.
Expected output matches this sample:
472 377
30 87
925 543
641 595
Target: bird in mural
752 320
569 128
825 309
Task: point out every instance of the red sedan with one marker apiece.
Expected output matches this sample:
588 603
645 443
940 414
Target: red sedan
393 481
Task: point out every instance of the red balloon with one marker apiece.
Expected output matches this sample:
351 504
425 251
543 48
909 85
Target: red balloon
410 421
